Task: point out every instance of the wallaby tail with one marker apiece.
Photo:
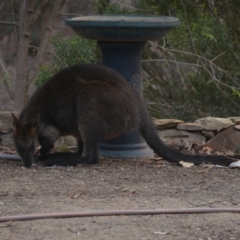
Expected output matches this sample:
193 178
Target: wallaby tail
149 133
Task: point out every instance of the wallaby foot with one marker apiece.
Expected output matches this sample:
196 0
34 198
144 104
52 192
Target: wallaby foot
62 159
59 162
39 158
42 154
67 159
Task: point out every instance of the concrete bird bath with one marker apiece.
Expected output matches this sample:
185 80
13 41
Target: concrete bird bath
121 39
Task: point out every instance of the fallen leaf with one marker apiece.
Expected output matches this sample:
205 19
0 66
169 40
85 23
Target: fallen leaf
156 158
76 196
186 164
234 164
161 233
124 189
132 191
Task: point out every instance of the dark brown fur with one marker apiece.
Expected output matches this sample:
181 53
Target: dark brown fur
90 102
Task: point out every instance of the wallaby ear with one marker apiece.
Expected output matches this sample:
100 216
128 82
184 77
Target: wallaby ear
15 121
34 123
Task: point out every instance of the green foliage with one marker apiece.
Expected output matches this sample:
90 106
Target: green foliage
197 63
104 7
68 52
235 92
62 148
75 50
4 77
45 72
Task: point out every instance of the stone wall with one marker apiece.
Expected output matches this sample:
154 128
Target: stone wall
209 134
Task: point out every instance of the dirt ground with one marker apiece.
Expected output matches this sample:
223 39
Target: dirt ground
119 184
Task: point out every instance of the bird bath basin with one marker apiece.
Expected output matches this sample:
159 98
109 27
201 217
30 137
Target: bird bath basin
122 27
121 39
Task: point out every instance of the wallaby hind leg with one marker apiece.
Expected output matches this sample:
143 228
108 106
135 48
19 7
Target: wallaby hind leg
79 147
90 127
90 152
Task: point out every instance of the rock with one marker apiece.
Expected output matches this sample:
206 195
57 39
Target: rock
208 134
227 142
237 127
174 136
66 141
234 119
212 123
166 123
6 125
190 126
6 139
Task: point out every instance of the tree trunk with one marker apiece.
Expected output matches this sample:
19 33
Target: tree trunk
25 18
26 75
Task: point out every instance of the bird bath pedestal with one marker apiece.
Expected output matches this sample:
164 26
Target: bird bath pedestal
121 39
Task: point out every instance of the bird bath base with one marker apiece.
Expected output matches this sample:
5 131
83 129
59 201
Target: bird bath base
121 39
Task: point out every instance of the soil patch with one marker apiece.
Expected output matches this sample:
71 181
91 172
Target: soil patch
119 184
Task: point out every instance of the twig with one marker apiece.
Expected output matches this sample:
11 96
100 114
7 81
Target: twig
203 58
188 28
39 11
3 70
187 63
127 5
2 5
13 16
59 60
70 14
8 23
163 105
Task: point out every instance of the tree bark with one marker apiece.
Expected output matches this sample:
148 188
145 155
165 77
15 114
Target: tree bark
45 40
25 18
5 77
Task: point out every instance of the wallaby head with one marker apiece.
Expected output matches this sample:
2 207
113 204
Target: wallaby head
24 137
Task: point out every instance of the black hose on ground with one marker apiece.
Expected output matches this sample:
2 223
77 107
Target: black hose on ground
10 157
117 213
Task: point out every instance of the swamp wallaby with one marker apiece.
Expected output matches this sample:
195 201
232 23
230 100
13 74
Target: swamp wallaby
90 102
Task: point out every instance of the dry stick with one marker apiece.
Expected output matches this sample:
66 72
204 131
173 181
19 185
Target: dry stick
14 19
118 213
194 64
201 58
6 78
